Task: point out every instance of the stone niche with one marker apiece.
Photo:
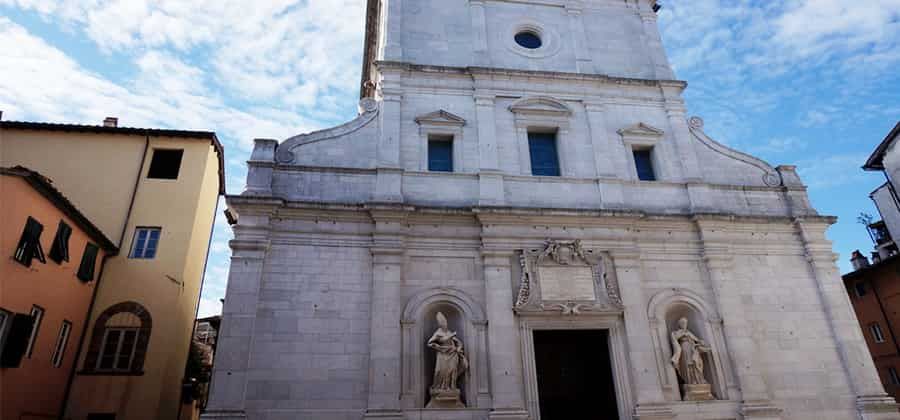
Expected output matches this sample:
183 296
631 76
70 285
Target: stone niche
665 311
466 318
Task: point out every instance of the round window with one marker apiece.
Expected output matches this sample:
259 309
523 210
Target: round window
528 39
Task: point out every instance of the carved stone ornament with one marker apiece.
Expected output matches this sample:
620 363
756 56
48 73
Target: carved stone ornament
563 278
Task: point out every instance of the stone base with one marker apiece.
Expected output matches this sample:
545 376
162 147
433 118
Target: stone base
445 398
697 392
878 407
653 412
384 414
760 410
508 414
224 415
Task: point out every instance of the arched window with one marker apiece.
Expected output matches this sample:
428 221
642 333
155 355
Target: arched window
119 341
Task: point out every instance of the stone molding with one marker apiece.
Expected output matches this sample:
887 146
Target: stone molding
541 105
369 110
771 177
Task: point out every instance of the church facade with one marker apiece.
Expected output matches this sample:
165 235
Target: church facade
523 223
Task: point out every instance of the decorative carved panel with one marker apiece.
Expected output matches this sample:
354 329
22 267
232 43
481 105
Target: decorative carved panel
564 278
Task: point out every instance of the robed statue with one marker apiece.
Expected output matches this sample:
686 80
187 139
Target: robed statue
688 351
450 364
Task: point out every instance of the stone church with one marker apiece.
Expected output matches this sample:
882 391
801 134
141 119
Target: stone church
522 223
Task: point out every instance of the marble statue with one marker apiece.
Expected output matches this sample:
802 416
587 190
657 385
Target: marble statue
450 364
688 351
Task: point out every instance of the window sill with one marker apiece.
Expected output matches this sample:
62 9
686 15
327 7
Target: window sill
109 373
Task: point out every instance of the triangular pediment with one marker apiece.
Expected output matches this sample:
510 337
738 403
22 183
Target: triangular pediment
540 106
641 130
440 117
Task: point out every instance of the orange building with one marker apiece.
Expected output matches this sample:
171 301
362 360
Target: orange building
52 258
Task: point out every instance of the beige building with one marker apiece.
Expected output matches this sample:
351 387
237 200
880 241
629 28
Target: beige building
154 193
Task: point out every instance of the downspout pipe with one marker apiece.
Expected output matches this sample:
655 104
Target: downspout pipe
87 321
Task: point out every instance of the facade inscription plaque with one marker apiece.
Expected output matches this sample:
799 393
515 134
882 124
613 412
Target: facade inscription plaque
567 283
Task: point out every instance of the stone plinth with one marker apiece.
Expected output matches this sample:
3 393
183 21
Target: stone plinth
445 398
697 392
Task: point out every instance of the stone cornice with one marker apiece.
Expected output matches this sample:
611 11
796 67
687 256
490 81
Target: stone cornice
388 66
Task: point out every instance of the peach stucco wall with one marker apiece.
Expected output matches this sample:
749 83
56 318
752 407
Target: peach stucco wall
36 387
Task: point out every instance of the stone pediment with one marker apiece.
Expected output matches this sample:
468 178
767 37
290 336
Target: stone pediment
540 106
641 130
440 117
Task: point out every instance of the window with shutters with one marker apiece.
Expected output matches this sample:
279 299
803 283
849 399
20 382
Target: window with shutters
59 251
544 156
17 333
892 373
119 341
877 334
643 162
88 262
165 164
146 240
62 340
37 315
29 246
440 153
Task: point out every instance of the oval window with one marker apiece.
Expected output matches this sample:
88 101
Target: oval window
528 40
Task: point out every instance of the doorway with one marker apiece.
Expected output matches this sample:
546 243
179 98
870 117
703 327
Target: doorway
574 375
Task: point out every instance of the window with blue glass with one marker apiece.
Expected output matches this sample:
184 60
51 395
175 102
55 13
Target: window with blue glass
643 162
146 239
544 158
440 154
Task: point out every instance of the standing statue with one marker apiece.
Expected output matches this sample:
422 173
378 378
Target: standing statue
450 364
688 351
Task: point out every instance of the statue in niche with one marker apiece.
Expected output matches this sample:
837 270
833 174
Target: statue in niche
688 351
450 364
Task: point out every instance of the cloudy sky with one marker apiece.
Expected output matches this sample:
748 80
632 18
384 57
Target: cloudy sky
806 82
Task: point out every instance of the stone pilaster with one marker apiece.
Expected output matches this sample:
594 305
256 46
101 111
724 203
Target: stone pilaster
260 168
662 69
388 179
392 42
227 399
583 63
609 157
490 179
479 32
872 401
745 354
504 349
649 398
681 133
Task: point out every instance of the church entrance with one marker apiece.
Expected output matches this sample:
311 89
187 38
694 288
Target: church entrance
574 375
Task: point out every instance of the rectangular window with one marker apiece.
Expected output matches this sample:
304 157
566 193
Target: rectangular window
165 164
860 289
30 243
892 373
544 157
18 334
643 162
59 251
440 154
88 261
37 314
145 242
876 333
117 350
61 342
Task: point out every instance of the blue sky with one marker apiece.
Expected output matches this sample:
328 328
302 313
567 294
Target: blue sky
812 83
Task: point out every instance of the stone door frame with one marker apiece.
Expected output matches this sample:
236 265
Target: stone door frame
612 322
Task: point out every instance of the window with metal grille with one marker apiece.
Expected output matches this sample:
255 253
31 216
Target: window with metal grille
145 242
59 251
88 262
62 341
29 246
876 333
440 154
37 315
544 157
117 350
643 162
165 164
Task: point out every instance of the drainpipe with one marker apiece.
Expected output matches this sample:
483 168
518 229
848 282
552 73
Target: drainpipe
84 330
87 321
202 284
